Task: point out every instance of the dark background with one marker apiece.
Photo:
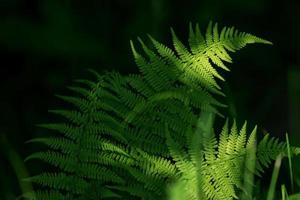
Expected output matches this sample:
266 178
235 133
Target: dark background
45 44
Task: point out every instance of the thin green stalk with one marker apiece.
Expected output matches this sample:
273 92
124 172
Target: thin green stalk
16 163
290 162
284 194
275 173
249 171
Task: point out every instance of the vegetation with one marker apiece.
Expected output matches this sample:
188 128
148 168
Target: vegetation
152 135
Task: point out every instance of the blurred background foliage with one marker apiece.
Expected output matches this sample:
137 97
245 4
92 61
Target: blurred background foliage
45 44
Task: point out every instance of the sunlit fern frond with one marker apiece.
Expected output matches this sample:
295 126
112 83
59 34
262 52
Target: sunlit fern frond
216 169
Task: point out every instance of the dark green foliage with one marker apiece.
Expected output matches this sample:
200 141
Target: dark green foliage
130 137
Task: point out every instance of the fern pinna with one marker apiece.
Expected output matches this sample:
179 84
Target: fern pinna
220 169
130 137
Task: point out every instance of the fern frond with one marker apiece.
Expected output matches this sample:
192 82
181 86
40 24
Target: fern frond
129 137
60 181
47 195
61 144
218 169
269 148
74 116
137 190
66 130
80 103
211 49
